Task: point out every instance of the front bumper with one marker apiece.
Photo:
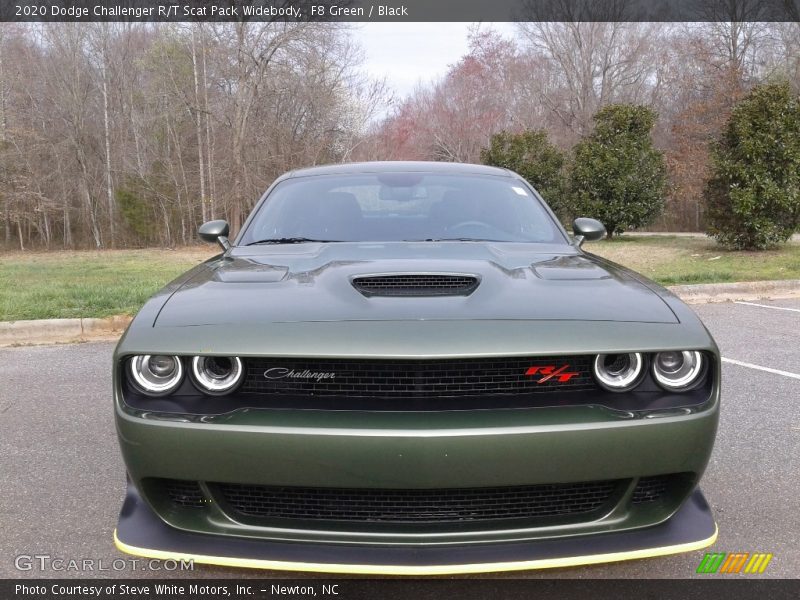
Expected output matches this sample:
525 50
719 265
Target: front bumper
141 533
359 450
414 451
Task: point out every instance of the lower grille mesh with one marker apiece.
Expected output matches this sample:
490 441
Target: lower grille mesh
650 489
417 506
184 493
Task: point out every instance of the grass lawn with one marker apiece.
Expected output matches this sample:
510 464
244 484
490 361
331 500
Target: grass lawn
41 285
60 285
673 260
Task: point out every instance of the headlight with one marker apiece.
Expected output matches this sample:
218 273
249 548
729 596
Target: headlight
155 374
618 372
217 375
677 370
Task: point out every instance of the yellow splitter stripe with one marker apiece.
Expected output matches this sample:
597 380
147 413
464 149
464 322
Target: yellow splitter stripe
279 565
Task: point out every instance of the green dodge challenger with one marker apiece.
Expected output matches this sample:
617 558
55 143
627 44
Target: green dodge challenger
411 368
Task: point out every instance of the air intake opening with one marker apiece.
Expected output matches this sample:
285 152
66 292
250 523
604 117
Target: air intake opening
416 284
661 487
418 505
186 494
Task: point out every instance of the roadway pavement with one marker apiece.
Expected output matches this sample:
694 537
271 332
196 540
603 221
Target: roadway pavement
62 478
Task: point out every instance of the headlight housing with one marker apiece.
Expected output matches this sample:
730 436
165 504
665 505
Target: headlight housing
155 374
619 372
677 370
217 375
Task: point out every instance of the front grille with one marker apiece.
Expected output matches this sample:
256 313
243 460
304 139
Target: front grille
422 284
650 489
184 493
417 379
415 505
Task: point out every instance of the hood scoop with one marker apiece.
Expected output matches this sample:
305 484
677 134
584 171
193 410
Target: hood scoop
416 284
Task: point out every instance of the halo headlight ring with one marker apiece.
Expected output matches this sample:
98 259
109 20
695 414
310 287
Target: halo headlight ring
155 374
678 370
619 372
217 375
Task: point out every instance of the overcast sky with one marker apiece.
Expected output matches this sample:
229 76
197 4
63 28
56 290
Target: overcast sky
408 53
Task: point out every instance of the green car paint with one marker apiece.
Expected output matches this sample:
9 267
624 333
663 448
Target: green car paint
298 301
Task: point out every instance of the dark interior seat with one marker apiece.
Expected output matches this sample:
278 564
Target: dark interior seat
330 216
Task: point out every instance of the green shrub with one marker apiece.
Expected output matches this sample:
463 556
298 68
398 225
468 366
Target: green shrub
135 210
530 154
616 175
753 196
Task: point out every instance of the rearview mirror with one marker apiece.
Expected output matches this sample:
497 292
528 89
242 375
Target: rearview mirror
587 229
215 231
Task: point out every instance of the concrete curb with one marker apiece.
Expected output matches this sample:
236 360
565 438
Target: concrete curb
63 331
747 290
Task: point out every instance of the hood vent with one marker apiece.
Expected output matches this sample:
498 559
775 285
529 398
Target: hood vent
416 284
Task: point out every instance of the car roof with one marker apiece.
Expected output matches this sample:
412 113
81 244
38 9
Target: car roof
400 166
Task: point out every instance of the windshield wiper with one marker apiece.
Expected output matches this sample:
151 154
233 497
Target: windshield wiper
458 239
289 240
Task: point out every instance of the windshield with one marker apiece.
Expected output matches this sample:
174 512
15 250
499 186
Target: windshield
393 207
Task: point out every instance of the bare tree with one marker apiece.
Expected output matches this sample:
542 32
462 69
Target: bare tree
133 133
100 52
598 63
3 127
252 49
199 131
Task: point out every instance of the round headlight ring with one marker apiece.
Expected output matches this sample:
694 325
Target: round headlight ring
217 375
619 372
678 370
155 374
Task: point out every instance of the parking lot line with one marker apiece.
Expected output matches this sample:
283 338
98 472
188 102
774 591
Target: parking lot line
760 368
767 306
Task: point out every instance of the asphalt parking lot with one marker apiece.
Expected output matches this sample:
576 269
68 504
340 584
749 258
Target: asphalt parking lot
62 478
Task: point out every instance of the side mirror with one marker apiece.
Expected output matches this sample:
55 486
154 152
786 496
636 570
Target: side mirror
586 229
215 231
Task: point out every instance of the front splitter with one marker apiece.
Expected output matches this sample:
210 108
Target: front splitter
142 533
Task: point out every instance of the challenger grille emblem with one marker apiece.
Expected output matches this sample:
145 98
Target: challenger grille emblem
284 373
550 372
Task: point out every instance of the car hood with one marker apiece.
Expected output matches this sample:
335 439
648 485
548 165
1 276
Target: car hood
312 282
